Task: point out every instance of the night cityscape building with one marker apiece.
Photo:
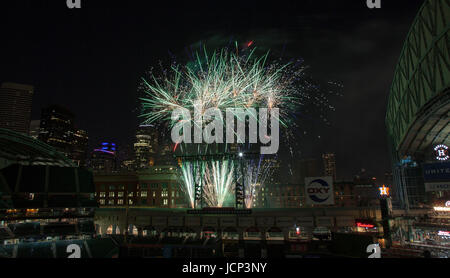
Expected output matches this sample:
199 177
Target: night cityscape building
153 187
80 141
137 194
57 128
15 106
146 146
104 158
329 161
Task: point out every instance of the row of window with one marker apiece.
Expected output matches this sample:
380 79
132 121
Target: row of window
165 202
164 193
104 187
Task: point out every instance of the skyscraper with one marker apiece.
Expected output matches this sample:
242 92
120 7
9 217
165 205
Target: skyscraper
15 106
104 158
146 146
57 128
329 165
79 147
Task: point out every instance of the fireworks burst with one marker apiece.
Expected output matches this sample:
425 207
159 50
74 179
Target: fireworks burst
222 80
225 79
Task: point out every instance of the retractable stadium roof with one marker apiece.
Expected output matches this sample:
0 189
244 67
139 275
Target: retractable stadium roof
17 148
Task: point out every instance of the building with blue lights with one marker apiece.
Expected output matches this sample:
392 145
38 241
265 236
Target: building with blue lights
104 158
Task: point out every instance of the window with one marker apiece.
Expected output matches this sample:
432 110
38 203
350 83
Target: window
111 194
144 194
165 193
120 194
165 202
131 194
102 201
144 186
111 202
112 188
154 194
102 194
120 202
130 202
173 194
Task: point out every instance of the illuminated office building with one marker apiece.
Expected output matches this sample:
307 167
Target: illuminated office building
104 158
79 147
15 106
329 163
57 128
145 148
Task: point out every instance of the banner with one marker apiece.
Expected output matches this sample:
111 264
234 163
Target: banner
319 190
436 172
437 186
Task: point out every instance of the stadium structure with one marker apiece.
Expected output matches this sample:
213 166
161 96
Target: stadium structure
418 110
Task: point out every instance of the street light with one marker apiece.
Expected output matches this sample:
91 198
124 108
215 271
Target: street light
241 154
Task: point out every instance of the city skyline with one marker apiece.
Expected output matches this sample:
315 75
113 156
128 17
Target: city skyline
337 126
111 110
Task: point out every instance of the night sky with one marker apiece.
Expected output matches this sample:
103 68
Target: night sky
90 60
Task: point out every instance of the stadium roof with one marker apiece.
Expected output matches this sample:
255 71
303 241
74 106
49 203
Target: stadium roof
418 107
50 186
22 149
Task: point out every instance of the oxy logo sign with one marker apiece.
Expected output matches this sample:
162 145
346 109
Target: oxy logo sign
319 190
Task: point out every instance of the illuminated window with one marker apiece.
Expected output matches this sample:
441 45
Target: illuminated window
165 202
120 202
154 194
111 202
144 194
102 194
102 201
130 202
120 194
165 193
131 194
111 194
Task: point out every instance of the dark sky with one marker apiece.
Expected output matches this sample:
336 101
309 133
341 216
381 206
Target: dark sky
91 59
